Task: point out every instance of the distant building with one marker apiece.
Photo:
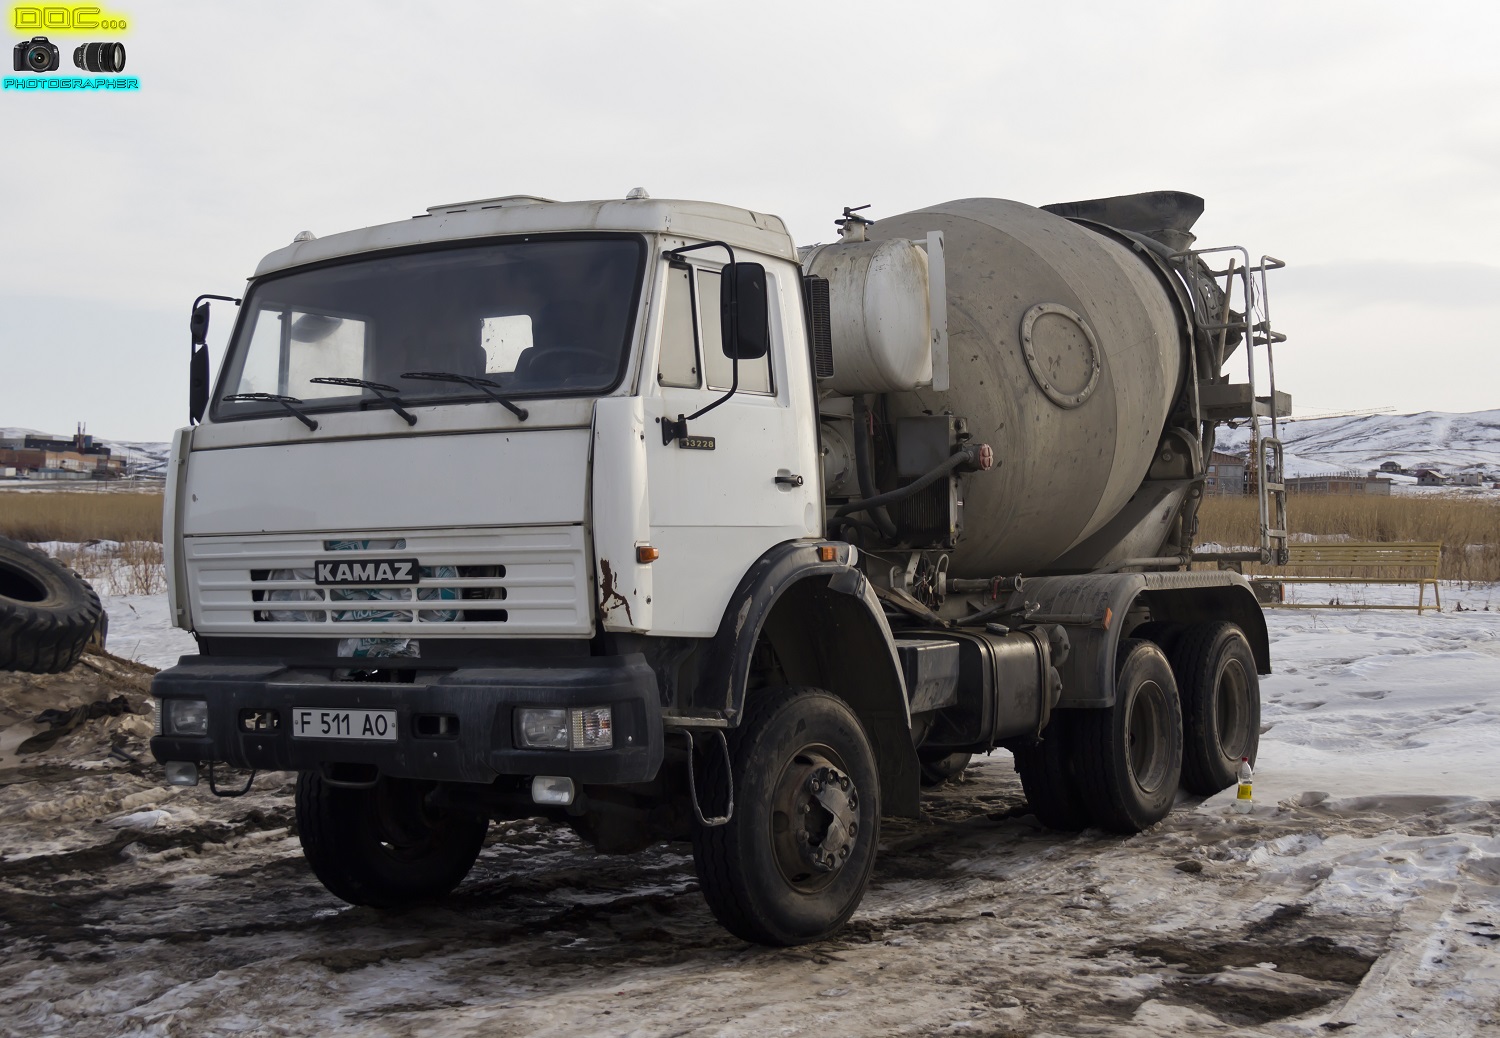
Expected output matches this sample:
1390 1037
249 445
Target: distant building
1391 466
1338 483
1226 474
1469 479
44 457
1430 478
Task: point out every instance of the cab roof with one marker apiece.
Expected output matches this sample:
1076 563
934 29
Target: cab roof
526 214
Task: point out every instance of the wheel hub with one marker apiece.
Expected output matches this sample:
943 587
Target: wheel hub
815 821
829 818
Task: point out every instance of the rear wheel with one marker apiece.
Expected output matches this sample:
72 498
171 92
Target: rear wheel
1215 671
1047 777
384 846
1129 756
793 862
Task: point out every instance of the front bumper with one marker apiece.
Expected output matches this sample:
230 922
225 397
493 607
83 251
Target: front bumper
477 745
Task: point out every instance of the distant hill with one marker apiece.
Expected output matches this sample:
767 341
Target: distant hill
1432 439
1438 440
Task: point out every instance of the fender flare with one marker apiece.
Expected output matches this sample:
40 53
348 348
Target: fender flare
830 631
1096 606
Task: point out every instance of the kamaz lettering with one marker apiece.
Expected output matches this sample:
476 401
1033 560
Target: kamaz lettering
391 571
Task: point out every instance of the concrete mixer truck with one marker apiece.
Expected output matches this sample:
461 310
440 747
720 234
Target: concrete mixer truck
630 516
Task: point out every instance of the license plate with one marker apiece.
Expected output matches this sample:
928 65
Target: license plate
315 723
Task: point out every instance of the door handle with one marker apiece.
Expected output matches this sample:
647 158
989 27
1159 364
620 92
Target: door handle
789 480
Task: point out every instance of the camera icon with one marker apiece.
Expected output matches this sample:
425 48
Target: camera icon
100 57
37 54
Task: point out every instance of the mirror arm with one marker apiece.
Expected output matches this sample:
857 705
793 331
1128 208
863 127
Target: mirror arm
677 429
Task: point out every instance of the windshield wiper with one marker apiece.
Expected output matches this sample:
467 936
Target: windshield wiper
287 402
486 386
387 394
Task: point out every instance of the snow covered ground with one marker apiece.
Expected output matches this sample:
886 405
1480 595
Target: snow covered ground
1361 895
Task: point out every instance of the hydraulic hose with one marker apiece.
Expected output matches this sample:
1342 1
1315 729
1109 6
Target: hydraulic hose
973 456
865 470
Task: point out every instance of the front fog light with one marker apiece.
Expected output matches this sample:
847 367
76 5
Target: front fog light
552 789
593 728
187 716
540 729
181 773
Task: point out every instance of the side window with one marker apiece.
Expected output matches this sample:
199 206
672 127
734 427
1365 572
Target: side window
755 375
679 351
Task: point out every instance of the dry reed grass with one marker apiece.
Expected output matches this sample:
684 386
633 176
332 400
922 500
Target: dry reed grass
1468 527
64 515
128 562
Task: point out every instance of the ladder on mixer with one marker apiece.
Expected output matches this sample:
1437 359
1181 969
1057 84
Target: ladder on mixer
1224 401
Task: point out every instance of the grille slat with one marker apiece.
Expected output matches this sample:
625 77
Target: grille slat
474 582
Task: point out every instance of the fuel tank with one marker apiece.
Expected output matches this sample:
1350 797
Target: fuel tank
1066 351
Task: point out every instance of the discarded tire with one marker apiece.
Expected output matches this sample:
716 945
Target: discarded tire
47 612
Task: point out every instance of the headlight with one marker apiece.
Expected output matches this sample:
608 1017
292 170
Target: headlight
542 729
553 728
186 716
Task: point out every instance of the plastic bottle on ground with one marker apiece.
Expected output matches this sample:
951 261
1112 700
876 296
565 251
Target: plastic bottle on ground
1242 800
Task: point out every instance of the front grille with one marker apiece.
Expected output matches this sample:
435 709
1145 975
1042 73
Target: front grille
528 581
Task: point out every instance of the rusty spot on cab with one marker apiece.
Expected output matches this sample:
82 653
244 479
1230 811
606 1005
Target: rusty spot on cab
609 596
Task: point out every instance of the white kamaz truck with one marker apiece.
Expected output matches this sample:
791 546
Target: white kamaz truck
629 515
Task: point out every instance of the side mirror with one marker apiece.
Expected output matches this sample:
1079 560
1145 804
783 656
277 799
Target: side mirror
744 312
199 323
198 374
198 364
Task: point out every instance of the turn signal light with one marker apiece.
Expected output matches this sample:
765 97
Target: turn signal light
644 553
827 552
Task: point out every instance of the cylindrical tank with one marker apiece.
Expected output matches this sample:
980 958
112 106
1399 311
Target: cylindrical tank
1065 354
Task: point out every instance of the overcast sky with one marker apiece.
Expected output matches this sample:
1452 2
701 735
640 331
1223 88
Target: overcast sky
1360 142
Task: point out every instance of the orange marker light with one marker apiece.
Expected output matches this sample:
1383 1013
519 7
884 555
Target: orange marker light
827 552
645 553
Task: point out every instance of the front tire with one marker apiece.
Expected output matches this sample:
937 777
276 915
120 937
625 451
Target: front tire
384 846
1130 755
793 862
1215 671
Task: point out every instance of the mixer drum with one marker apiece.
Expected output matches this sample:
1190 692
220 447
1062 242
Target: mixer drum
1066 352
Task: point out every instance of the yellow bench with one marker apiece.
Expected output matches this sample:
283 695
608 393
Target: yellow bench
1421 559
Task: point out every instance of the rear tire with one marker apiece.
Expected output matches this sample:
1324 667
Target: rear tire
1047 777
1215 671
383 846
1129 756
47 612
792 864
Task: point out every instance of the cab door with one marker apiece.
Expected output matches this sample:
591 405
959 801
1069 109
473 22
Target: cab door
747 476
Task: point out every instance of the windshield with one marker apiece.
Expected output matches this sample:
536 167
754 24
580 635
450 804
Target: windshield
542 317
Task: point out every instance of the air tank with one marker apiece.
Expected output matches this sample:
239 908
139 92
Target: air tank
1066 351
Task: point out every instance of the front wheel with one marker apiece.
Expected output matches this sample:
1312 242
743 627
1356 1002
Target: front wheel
384 846
1130 754
793 862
